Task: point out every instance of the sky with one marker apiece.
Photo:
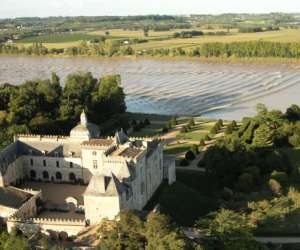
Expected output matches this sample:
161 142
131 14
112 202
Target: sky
44 8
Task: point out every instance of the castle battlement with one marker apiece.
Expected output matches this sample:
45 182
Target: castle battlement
45 138
48 221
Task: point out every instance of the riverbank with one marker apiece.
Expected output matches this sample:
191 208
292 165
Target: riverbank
217 60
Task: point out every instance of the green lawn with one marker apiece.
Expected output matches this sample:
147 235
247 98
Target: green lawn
60 38
198 131
177 149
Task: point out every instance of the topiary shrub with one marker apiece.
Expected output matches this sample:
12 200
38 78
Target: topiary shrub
213 130
228 130
202 142
189 155
184 129
195 149
206 138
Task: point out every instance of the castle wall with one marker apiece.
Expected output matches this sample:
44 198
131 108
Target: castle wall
53 165
47 225
100 207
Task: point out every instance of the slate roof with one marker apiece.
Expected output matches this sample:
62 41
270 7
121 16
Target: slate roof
12 197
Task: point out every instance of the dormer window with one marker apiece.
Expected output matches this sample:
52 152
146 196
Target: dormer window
44 152
71 153
56 154
94 153
30 151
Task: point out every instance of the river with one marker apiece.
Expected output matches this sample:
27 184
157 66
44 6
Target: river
185 87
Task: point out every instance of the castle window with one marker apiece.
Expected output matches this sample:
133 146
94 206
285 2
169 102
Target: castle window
31 162
46 175
32 174
58 176
95 164
94 153
44 163
57 164
71 164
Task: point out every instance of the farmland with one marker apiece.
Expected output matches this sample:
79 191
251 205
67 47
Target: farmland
161 40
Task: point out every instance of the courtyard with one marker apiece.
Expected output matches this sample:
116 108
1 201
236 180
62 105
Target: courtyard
64 201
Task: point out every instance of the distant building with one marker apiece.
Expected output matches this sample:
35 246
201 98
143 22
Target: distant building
95 178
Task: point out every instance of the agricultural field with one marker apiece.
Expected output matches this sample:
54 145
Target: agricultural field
285 35
162 39
60 38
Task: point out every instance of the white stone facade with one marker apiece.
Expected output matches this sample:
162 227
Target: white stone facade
120 172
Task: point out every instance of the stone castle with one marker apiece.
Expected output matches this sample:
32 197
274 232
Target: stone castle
63 184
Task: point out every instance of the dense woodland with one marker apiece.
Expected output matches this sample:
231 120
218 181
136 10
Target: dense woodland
44 106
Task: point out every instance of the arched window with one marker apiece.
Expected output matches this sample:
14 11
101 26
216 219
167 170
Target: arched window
58 176
46 175
72 177
32 174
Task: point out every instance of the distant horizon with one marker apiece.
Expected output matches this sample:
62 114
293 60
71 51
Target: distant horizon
156 14
71 8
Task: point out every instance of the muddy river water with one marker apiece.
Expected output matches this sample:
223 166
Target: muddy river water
176 87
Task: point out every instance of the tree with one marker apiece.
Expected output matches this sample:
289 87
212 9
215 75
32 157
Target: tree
109 97
263 136
77 94
293 113
227 226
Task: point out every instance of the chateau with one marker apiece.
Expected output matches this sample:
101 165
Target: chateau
64 184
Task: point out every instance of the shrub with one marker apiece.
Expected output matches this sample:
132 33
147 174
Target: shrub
233 124
195 149
173 121
184 162
192 122
213 130
202 142
275 186
206 138
189 155
184 129
228 130
220 123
